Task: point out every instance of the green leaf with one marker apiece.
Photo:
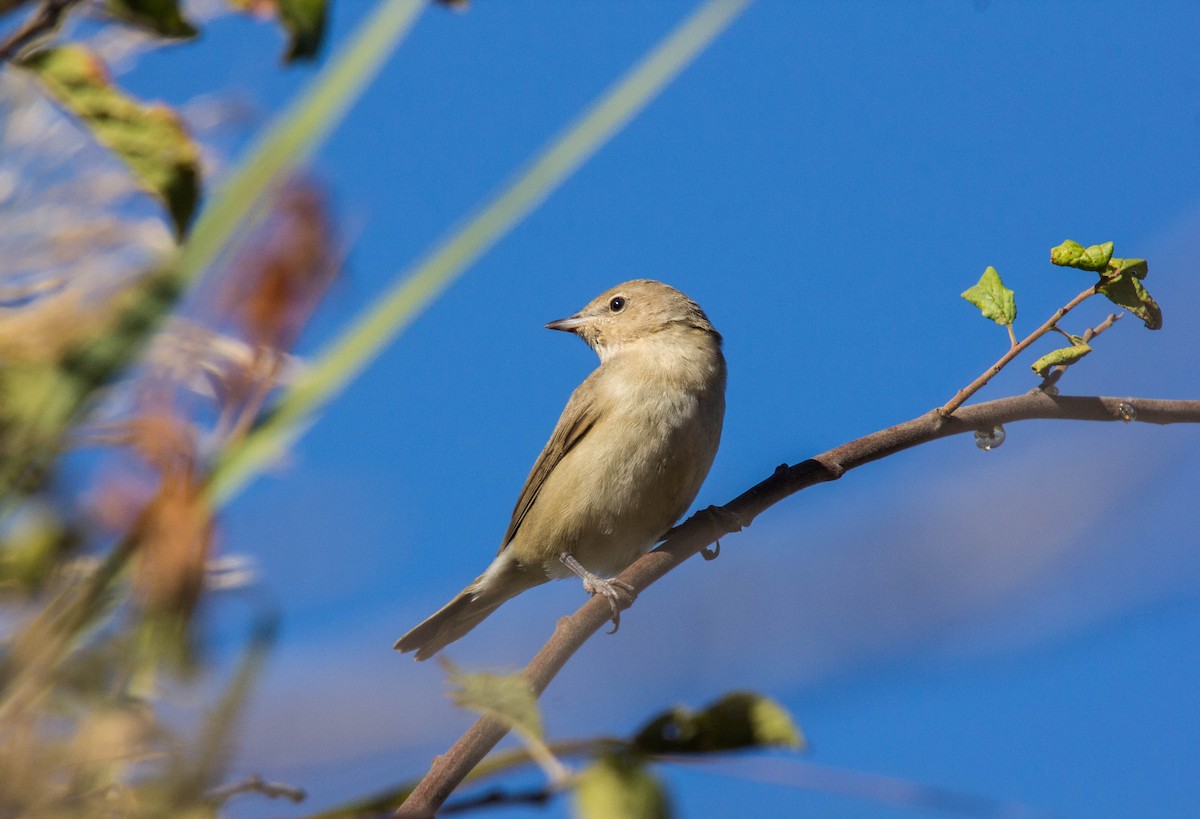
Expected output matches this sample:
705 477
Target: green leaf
738 720
993 299
305 23
161 17
149 138
1073 254
1127 291
1067 355
506 697
1131 267
620 786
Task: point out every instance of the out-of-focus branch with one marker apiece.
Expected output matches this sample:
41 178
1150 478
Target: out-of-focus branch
43 21
702 529
256 784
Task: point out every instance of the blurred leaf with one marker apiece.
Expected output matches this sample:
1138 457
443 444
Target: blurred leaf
738 720
1073 254
506 697
8 5
509 699
305 22
1126 290
993 299
161 17
149 138
620 786
1067 355
32 549
40 398
1131 267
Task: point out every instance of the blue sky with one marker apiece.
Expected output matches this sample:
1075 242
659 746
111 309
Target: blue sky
1019 626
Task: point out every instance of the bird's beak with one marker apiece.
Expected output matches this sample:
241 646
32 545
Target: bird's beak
568 325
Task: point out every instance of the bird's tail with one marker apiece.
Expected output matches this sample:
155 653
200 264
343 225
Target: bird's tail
464 612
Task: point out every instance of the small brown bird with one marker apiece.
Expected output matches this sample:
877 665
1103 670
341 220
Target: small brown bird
625 461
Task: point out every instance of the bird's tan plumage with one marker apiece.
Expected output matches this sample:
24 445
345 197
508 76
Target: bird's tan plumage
624 462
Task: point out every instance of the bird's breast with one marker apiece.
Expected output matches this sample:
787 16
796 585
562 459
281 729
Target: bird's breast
635 472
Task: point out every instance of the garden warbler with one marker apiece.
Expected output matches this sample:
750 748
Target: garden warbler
624 462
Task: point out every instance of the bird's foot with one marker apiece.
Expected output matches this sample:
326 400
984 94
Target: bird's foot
727 519
618 593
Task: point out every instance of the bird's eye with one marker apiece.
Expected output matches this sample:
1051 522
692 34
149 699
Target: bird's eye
617 304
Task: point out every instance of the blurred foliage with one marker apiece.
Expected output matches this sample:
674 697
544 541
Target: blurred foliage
125 386
619 780
161 17
116 398
150 138
620 786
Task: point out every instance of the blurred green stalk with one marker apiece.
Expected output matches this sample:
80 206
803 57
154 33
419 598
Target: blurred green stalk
416 287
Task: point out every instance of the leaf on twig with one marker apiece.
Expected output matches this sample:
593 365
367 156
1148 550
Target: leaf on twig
620 786
738 720
506 697
993 299
1126 290
1132 267
1073 254
509 699
1067 355
161 17
149 138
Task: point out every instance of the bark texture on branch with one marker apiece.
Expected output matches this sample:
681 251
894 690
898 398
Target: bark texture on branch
705 527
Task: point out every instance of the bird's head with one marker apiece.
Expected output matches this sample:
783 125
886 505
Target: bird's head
633 312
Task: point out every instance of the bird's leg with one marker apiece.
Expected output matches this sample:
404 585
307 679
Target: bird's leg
727 519
612 588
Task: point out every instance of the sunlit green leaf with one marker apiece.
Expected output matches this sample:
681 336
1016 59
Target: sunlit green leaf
149 138
742 719
162 17
1067 355
620 786
1073 254
993 299
1128 291
1131 267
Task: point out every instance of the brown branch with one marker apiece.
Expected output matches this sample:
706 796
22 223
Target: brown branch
42 21
703 528
1051 324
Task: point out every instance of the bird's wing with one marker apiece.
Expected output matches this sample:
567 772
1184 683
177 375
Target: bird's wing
577 419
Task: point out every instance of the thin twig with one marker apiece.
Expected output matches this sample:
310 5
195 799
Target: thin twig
966 392
703 528
498 797
42 21
256 784
1056 372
